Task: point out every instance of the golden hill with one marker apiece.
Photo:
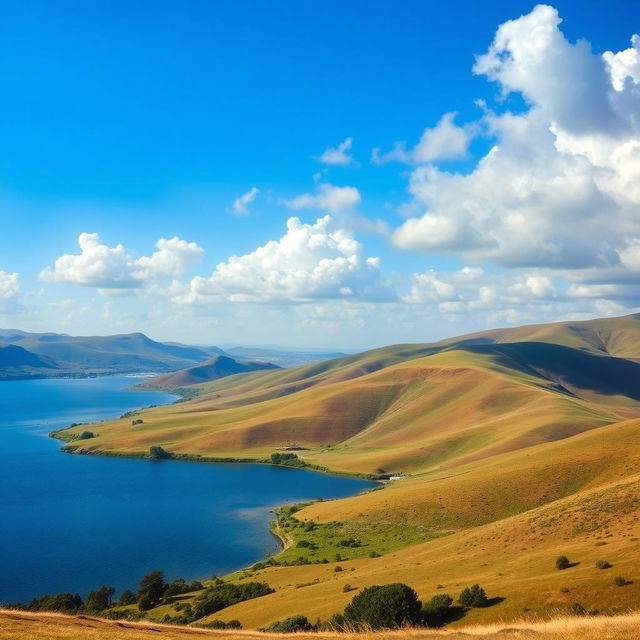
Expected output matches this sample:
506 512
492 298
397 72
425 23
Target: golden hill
520 445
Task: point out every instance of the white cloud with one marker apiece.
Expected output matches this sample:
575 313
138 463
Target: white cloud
559 188
309 262
9 285
624 66
327 197
445 141
471 289
339 156
113 271
240 206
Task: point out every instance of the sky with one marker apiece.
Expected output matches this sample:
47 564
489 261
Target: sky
343 174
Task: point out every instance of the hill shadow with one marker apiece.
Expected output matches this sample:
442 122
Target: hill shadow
567 367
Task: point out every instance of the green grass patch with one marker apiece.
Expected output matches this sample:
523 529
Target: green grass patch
319 543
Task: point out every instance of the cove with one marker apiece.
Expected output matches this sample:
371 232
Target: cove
74 523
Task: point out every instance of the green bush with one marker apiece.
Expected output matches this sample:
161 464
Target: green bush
86 435
223 595
562 562
337 569
619 581
436 611
292 624
577 609
603 564
158 453
384 607
473 596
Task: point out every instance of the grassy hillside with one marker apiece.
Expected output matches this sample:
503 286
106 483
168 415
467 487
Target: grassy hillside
520 445
41 626
218 367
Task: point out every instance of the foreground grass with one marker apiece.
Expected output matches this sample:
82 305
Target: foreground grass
21 625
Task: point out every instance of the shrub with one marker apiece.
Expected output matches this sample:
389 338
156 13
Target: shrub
577 609
287 459
374 554
158 453
85 435
234 624
223 595
473 596
337 568
384 607
291 625
347 587
619 581
435 612
603 564
562 562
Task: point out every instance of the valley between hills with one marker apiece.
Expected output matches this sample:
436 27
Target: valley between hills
508 448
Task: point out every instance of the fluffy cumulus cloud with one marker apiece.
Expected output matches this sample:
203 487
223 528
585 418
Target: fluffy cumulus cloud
309 262
559 188
327 197
112 270
9 285
240 206
510 296
340 155
445 141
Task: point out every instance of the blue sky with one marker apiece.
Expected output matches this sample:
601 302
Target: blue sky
152 121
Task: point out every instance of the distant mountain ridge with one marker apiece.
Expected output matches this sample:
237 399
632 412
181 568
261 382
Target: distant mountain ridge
52 354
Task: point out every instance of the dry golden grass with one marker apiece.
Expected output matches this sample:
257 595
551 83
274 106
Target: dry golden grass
41 626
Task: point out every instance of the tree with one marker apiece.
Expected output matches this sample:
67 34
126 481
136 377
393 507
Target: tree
100 600
384 607
127 597
562 562
473 596
152 588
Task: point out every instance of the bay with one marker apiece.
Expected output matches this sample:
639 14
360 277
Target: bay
74 522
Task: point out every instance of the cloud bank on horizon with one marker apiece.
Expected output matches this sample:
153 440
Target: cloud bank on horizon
546 222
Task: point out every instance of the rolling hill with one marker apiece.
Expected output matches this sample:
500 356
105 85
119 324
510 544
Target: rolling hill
213 369
516 445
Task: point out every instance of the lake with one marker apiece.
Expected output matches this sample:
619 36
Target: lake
74 523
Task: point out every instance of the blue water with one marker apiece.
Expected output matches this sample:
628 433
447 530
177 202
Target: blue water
73 522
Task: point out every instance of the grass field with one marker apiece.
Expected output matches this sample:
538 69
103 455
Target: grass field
41 626
519 445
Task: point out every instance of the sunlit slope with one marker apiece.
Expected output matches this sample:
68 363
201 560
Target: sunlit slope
618 337
508 518
512 559
418 414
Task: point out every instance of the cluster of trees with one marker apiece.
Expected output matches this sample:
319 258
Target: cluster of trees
216 597
153 590
287 459
388 607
